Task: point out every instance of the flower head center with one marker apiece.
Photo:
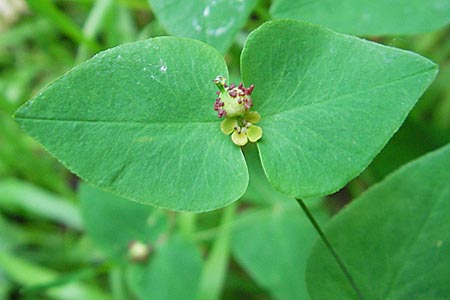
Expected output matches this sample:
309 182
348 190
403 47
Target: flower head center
233 104
232 100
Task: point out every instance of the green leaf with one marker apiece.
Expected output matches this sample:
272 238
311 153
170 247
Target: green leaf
368 17
113 222
173 272
138 120
215 22
273 245
328 102
394 239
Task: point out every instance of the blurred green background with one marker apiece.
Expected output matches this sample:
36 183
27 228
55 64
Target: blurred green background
60 239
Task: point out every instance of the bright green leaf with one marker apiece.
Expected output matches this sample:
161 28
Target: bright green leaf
138 120
113 222
368 17
394 239
273 246
328 102
172 272
215 22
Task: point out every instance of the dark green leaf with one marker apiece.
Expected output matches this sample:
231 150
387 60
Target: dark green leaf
394 239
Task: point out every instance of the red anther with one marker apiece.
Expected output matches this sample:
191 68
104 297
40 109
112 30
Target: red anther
232 86
239 101
240 86
222 113
221 104
250 89
218 92
233 94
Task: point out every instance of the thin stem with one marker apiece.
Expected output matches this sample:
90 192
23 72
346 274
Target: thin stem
216 266
117 284
330 248
187 223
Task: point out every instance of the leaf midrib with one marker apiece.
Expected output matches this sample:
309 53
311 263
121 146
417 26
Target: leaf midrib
431 68
112 122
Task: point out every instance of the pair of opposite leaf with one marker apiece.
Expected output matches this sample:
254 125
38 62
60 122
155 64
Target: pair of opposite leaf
137 119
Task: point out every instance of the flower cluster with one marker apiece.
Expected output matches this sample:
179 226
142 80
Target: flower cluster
234 104
232 100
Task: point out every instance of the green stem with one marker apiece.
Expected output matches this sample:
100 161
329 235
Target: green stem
187 223
330 248
215 268
117 283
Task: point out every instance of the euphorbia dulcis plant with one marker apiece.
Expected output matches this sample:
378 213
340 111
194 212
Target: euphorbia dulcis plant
138 119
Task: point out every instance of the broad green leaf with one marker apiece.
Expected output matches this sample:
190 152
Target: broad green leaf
394 239
368 17
172 272
113 222
273 245
138 120
328 102
215 22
